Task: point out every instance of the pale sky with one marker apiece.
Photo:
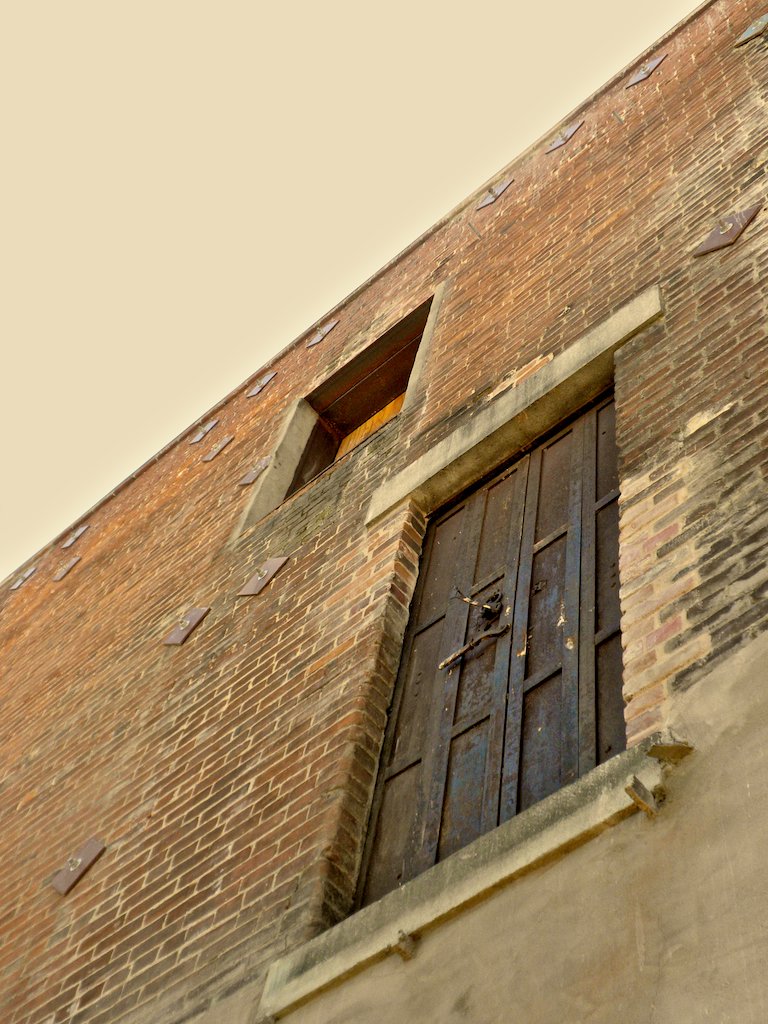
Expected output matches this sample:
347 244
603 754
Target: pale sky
188 186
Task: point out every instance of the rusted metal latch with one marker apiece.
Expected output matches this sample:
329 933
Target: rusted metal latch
489 609
490 634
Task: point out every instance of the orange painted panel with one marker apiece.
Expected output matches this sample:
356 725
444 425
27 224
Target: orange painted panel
370 426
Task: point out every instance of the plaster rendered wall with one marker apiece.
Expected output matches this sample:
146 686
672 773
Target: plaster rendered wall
231 777
653 920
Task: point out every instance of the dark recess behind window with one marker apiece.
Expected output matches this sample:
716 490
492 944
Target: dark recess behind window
361 388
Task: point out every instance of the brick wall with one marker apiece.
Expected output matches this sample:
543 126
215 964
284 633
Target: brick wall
230 777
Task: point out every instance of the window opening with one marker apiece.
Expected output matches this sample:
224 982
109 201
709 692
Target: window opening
361 397
510 681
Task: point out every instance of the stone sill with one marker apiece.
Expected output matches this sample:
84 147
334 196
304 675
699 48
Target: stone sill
561 822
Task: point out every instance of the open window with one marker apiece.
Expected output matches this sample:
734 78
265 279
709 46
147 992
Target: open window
361 397
510 681
345 410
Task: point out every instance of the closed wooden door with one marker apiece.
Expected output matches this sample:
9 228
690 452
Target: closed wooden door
510 681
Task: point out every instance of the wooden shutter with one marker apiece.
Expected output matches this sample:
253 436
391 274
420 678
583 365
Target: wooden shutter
522 575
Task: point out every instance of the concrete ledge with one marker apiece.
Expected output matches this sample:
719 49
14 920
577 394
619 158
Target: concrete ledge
561 822
519 415
269 490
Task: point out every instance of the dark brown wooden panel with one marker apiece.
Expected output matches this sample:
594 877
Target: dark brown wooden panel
611 730
497 522
607 567
504 652
438 736
540 761
553 496
419 695
445 550
570 613
497 722
510 774
475 689
587 588
607 454
463 801
547 608
387 867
